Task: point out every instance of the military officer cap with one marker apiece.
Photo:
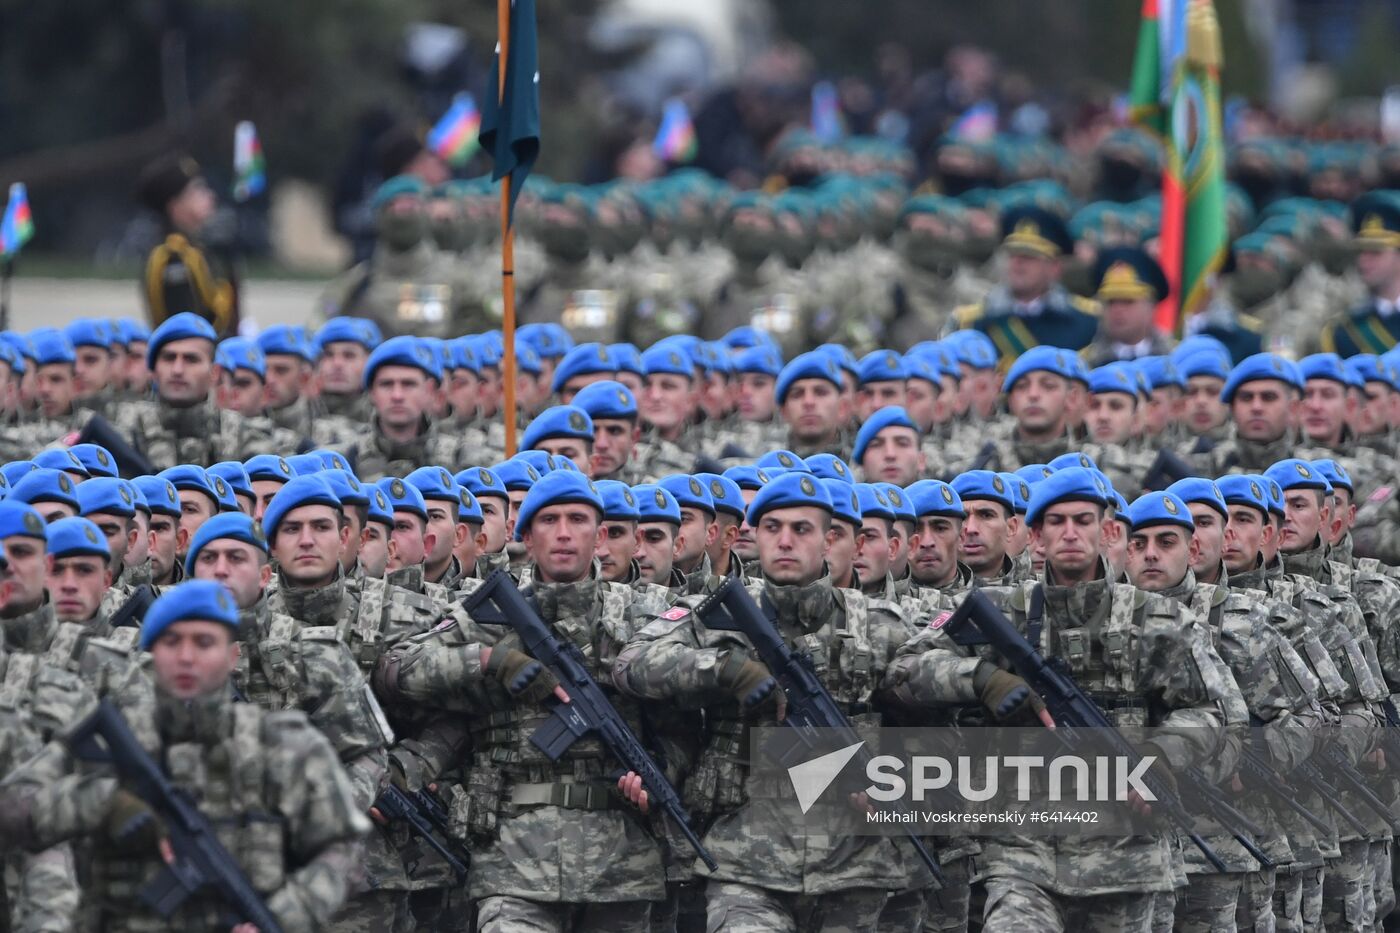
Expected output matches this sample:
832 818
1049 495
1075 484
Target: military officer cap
1244 489
20 519
881 366
1335 473
1375 219
627 358
97 459
560 421
874 502
358 330
51 346
724 492
845 500
286 340
481 481
985 484
1293 473
1042 359
1159 508
933 497
77 537
334 460
299 492
129 331
160 493
268 467
779 461
63 459
1328 366
891 416
1199 489
1129 273
619 503
899 502
586 359
516 473
403 351
746 336
1258 367
760 359
671 359
44 485
829 466
347 487
558 488
811 365
236 475
689 492
164 178
379 510
1072 484
183 326
1075 458
790 490
190 601
1203 363
1020 492
138 498
90 332
232 525
607 400
1026 228
435 483
105 494
468 509
748 477
1113 377
403 497
400 186
656 504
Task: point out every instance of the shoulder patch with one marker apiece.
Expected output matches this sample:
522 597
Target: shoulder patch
941 619
675 613
1381 494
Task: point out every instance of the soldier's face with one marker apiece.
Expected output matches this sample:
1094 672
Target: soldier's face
442 522
401 395
1343 515
792 544
1305 514
138 377
982 545
1019 537
935 550
616 549
76 585
184 370
1327 406
1158 557
1039 402
54 387
1263 409
119 531
263 491
755 396
341 367
374 549
841 553
656 551
1128 320
745 544
140 547
562 540
873 396
571 388
813 409
921 401
350 551
716 397
1115 546
613 441
1111 416
698 532
1030 276
239 566
163 543
308 544
194 658
493 510
570 448
875 547
1373 414
1209 537
196 508
408 541
92 371
982 391
287 378
632 381
1379 268
29 565
893 456
242 391
1072 535
1161 410
1203 409
667 400
464 392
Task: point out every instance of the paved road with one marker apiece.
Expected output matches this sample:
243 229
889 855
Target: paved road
39 302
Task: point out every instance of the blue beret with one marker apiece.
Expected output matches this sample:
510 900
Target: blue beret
305 464
10 356
98 459
1371 368
746 336
788 491
557 488
924 366
881 366
1072 484
891 416
516 474
462 354
778 460
1020 492
748 477
240 353
671 359
627 358
974 348
812 365
398 187
1328 366
234 525
899 501
77 537
607 399
43 485
403 497
235 474
548 339
758 359
286 340
829 466
129 331
333 460
468 509
16 470
268 467
841 355
546 462
349 330
935 497
1244 489
346 486
90 332
1114 377
724 492
21 519
655 504
619 505
1201 343
1102 477
984 484
223 493
138 498
379 510
183 326
874 502
434 482
191 601
1293 473
1336 474
1202 490
480 481
105 494
160 493
403 351
559 421
61 458
52 346
1275 496
586 359
1202 363
845 501
1159 508
527 360
304 490
189 476
1041 359
689 492
1261 366
1075 458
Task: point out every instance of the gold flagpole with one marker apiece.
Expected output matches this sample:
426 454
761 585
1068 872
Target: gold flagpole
507 249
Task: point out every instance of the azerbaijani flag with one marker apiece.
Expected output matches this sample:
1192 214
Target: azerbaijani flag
977 124
675 137
454 137
17 227
249 167
827 123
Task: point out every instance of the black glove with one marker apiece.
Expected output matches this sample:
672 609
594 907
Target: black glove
1009 697
523 677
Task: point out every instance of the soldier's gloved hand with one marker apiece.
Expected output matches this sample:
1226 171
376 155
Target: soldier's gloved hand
1160 771
131 825
1008 697
750 682
523 677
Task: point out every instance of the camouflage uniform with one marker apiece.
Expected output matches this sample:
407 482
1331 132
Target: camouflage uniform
1126 465
1238 455
1102 350
772 298
202 434
655 457
419 292
377 456
586 297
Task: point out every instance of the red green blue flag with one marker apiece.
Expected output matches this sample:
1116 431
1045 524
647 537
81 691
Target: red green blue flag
17 227
249 167
454 136
828 125
675 138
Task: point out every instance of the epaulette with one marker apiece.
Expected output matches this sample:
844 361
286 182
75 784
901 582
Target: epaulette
1250 323
967 315
1087 305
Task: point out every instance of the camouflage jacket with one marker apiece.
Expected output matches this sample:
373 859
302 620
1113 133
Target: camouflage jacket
1235 454
376 456
202 434
368 615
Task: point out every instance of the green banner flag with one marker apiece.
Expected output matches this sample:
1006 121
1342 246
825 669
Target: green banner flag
510 127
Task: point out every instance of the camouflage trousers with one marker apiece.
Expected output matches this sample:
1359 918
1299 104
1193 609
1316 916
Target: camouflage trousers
1298 901
1208 903
1164 911
683 911
1348 889
40 892
745 908
902 913
1256 910
1381 868
946 908
501 913
1014 906
375 912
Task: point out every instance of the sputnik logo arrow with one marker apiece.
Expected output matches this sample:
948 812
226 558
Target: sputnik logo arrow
811 778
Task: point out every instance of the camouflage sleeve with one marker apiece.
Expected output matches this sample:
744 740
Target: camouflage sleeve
1292 625
48 898
1376 530
1379 598
1181 673
44 802
931 670
433 748
673 657
439 669
342 706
